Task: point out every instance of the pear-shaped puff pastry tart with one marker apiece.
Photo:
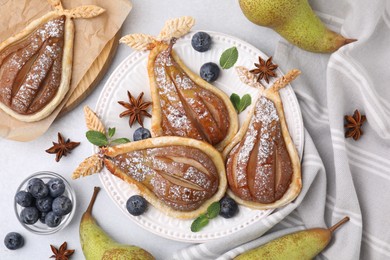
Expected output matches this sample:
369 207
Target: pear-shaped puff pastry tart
36 63
183 103
179 176
262 163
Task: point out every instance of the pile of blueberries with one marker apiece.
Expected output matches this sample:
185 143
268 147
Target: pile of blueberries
44 201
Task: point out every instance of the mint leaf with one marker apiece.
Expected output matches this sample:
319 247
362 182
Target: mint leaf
97 138
199 223
120 141
235 100
213 210
246 101
228 58
111 132
240 104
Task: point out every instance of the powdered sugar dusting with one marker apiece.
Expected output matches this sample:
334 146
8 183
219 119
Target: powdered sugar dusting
178 184
265 116
45 46
174 112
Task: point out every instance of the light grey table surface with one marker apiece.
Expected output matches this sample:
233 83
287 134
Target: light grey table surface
18 160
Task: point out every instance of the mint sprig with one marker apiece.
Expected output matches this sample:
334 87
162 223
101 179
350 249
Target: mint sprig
99 139
203 220
228 58
240 104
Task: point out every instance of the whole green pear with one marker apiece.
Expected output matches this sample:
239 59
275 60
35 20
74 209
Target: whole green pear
296 22
96 244
302 245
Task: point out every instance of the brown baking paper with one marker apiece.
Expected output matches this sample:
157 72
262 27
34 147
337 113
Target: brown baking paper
91 35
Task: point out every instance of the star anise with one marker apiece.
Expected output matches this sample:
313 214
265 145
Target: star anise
136 109
354 124
265 69
62 148
62 253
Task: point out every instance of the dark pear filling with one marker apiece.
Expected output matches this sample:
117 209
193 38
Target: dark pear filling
30 70
188 110
182 177
259 168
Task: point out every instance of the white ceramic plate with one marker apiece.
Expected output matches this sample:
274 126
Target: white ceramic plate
131 75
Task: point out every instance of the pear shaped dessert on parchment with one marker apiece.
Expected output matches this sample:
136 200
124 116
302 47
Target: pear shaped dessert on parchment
36 63
179 176
262 163
183 103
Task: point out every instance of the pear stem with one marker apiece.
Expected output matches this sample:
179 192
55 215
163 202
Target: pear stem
171 43
338 224
92 202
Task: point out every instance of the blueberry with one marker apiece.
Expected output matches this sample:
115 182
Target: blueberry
42 217
136 205
229 207
24 198
37 188
52 219
209 71
141 133
201 41
13 241
44 204
56 187
29 215
62 205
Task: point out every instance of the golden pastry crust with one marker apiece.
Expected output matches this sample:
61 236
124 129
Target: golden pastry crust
156 110
206 148
87 11
295 186
66 66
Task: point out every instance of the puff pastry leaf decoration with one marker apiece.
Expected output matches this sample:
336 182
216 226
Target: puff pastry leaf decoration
262 164
93 121
176 28
179 176
183 103
36 63
89 166
139 41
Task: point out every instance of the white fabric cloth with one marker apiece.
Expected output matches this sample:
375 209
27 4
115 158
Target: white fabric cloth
345 177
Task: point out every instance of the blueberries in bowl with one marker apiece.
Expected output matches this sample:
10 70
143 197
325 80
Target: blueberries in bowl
24 198
44 204
56 187
136 205
141 133
29 215
13 241
37 188
201 41
61 205
55 210
229 207
209 72
52 219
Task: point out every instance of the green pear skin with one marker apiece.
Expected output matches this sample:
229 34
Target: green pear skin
296 22
302 245
96 244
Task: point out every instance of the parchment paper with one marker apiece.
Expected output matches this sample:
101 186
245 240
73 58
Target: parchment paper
91 35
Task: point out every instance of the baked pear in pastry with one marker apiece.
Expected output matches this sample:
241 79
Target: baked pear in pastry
179 176
183 103
262 163
36 63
